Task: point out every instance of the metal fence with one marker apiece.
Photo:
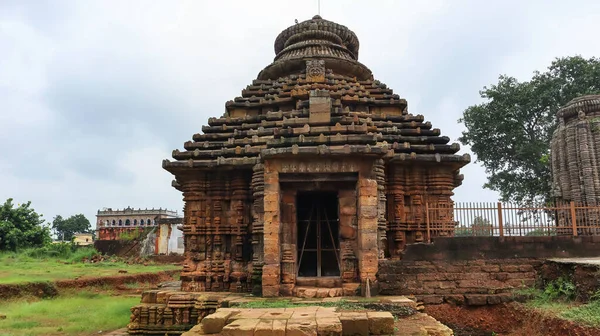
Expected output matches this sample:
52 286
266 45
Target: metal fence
505 219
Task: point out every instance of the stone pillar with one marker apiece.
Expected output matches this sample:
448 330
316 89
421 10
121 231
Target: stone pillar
368 254
288 242
379 172
272 243
258 188
194 197
348 234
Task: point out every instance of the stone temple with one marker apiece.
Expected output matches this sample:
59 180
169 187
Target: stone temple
314 174
575 152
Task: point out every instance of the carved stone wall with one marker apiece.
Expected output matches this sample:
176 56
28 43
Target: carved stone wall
575 155
409 189
217 231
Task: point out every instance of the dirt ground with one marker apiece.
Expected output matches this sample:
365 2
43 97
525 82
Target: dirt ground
50 289
505 320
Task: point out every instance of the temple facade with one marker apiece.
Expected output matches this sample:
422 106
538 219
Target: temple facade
315 173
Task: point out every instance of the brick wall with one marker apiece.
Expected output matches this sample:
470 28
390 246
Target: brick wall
475 270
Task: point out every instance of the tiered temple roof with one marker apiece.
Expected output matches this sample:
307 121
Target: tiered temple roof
272 117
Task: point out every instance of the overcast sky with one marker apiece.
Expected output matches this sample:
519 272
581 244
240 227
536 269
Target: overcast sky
95 94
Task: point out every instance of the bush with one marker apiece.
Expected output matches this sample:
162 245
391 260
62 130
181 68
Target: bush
560 289
137 234
21 227
67 251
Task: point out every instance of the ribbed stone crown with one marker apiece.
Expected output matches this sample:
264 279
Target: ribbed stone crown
316 39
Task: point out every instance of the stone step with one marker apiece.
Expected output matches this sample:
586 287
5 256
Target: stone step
317 292
324 282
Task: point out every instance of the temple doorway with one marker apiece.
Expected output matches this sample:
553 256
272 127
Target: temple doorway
318 234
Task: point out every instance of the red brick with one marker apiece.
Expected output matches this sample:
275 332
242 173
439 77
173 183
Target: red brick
509 268
476 300
432 299
490 268
457 299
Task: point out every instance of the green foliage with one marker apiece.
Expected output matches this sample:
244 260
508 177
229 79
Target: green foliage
35 265
21 227
64 251
595 296
79 313
588 314
480 227
560 289
557 297
66 228
510 132
136 234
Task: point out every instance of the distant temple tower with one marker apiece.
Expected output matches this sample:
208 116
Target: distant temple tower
575 152
312 176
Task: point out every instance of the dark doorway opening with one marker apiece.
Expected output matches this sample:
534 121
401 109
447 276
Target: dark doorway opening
318 234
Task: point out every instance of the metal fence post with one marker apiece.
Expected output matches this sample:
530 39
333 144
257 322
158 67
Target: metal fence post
573 219
500 222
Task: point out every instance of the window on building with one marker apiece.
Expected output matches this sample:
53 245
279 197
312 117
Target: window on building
148 221
135 222
113 223
120 222
141 222
127 222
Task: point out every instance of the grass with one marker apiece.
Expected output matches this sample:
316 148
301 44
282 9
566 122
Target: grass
557 299
77 313
21 267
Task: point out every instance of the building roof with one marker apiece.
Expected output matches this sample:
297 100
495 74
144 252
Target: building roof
315 58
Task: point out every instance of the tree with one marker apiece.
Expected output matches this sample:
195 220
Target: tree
66 228
21 227
510 133
480 227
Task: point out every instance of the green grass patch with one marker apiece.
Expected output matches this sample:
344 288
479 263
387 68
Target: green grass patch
587 314
81 313
26 267
558 297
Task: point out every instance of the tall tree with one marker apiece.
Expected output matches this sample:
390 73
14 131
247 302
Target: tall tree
66 228
480 227
510 132
21 227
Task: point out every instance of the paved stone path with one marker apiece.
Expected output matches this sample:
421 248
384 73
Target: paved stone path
585 261
296 321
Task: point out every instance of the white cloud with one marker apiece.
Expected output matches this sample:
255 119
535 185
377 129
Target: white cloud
94 94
